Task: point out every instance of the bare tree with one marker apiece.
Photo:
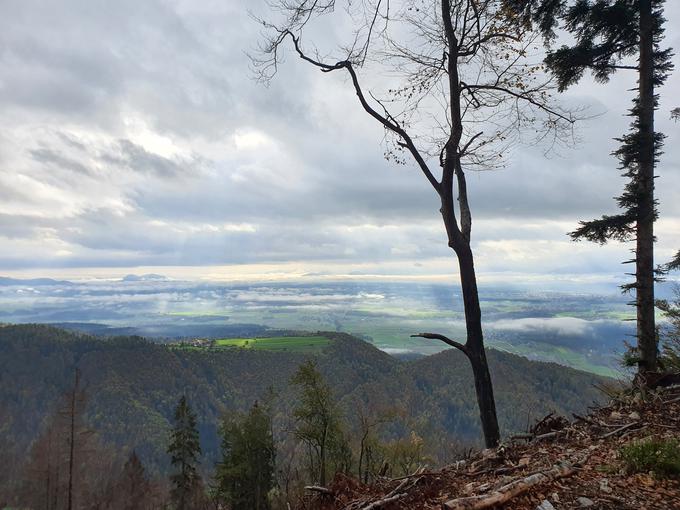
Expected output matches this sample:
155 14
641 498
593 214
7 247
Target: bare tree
461 89
371 419
67 466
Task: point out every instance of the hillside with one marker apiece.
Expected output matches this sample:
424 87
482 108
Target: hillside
622 456
133 386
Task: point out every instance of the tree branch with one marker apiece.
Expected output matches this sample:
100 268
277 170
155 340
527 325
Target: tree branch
388 124
446 340
518 95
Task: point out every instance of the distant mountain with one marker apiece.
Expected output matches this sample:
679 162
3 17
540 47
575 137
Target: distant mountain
151 277
31 282
133 386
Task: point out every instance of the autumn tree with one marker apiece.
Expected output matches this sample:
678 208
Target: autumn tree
133 489
245 475
66 463
461 88
185 450
611 36
44 473
318 424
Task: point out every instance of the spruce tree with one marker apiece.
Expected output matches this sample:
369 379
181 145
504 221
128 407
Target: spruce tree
246 474
185 450
609 36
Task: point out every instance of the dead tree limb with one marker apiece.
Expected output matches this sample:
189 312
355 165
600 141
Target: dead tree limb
514 488
620 429
384 501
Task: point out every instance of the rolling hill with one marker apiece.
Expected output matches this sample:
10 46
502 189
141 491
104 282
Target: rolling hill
133 385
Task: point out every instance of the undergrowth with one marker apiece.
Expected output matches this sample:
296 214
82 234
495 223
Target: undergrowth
658 456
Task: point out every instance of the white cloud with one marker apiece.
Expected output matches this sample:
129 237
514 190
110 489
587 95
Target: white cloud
133 134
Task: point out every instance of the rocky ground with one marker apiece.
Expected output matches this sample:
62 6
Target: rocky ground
561 464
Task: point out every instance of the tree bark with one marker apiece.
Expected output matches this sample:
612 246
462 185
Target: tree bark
475 348
646 328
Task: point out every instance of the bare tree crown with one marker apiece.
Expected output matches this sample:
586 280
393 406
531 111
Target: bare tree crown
459 75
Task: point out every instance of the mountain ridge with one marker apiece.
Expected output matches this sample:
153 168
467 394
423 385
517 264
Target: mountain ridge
133 385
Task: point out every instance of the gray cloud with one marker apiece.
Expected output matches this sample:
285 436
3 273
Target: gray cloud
135 134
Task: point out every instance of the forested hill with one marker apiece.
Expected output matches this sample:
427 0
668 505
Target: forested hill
133 386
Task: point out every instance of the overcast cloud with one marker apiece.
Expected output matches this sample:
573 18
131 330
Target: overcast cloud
133 134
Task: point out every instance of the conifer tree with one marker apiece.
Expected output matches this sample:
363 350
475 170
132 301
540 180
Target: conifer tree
246 474
185 450
613 35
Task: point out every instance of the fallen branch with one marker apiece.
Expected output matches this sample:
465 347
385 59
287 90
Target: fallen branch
633 431
548 435
498 471
417 475
384 501
318 488
586 420
514 488
522 436
540 437
619 430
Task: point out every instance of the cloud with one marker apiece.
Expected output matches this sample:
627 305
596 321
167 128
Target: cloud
133 133
566 326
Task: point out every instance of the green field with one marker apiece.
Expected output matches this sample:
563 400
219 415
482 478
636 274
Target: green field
278 343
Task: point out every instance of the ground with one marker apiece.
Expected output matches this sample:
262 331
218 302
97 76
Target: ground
575 464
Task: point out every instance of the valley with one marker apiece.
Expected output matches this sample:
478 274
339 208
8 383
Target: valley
584 330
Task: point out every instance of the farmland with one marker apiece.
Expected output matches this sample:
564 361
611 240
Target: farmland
304 344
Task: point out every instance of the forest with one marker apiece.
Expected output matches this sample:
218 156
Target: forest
129 389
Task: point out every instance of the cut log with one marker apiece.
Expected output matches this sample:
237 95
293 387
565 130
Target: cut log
508 491
382 502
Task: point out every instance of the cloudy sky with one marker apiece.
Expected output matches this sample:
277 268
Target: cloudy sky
133 137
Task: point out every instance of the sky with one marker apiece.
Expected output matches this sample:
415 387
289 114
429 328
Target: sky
135 138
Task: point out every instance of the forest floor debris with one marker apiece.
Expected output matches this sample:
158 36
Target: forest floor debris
558 465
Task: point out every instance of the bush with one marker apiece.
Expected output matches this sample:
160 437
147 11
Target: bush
659 456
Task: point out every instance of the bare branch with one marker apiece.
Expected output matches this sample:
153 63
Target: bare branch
519 95
446 340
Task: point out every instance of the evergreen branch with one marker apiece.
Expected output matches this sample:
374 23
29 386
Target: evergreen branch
618 227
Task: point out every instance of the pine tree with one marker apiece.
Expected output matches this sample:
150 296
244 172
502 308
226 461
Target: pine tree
246 474
608 33
185 450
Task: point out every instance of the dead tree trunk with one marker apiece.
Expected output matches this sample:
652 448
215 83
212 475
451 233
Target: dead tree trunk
72 436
